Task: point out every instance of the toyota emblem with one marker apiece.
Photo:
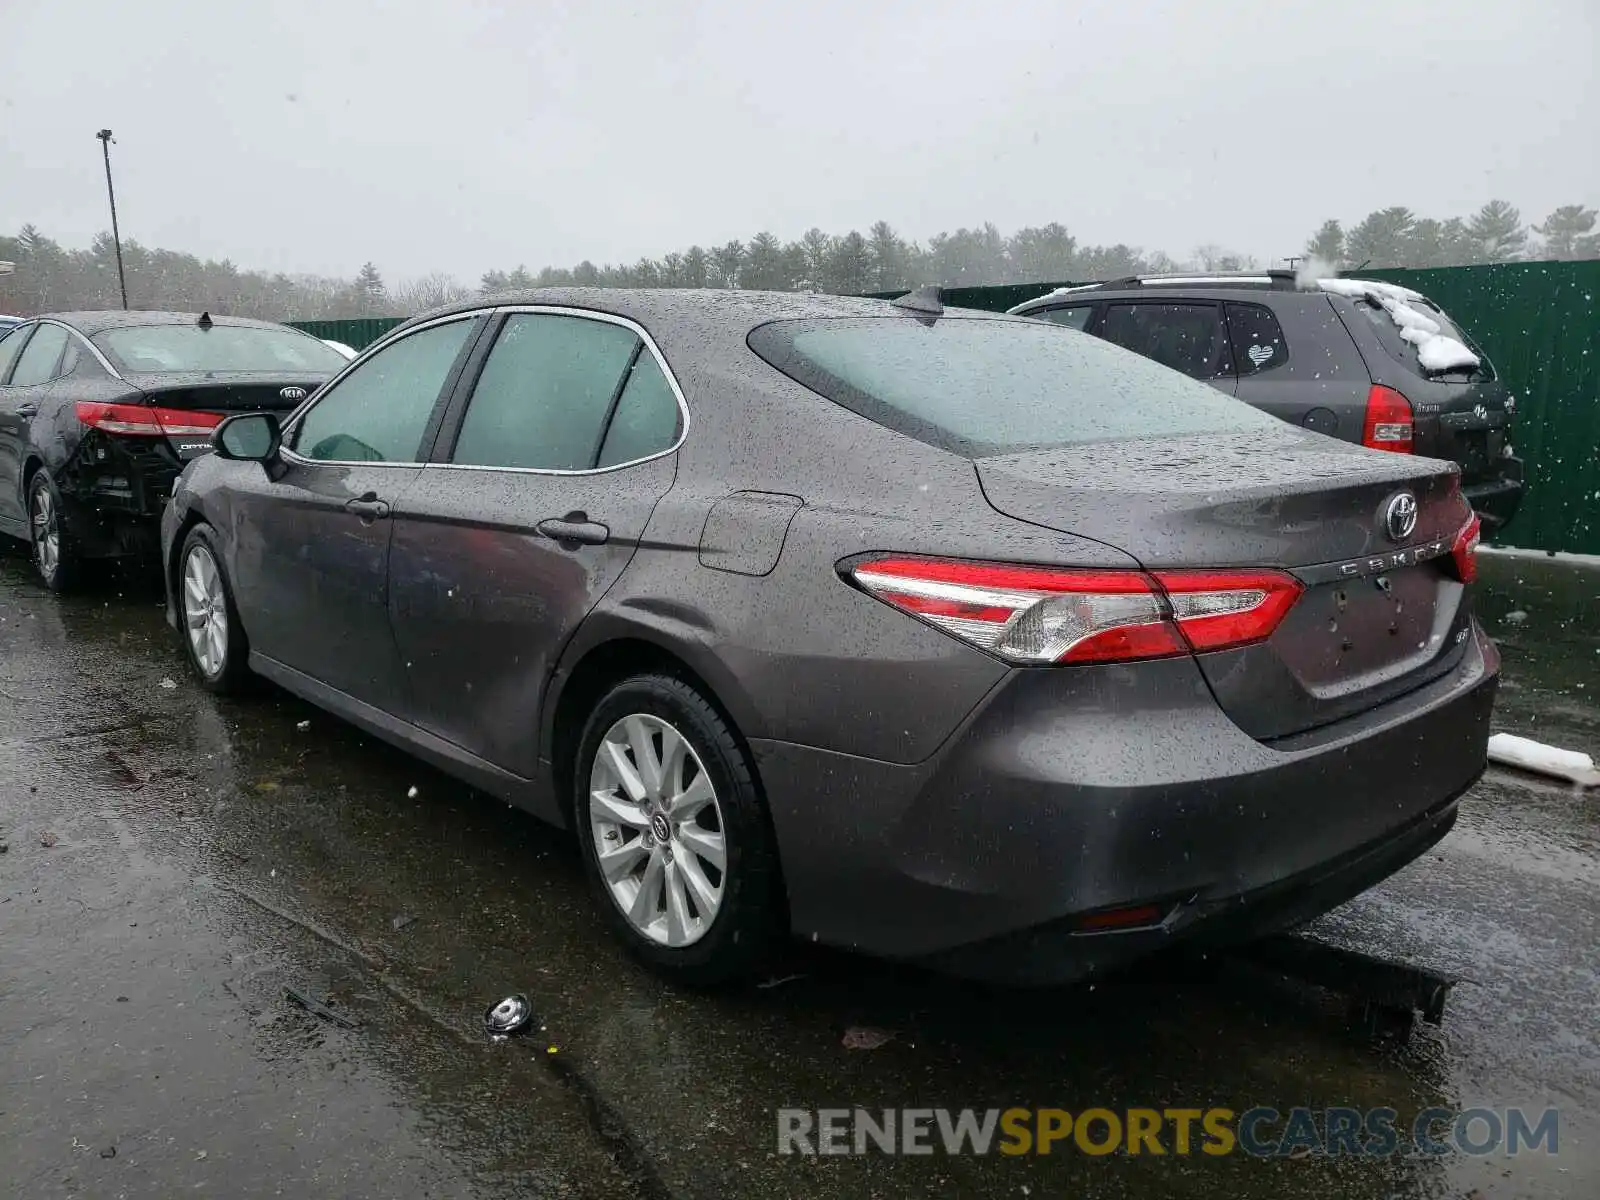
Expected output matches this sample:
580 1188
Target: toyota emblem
293 393
1400 517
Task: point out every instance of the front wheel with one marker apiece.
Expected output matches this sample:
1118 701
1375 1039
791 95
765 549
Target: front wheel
676 840
213 639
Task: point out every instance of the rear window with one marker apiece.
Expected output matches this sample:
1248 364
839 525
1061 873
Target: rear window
1405 353
151 348
980 387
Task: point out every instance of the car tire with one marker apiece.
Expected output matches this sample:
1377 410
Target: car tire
208 621
666 899
56 556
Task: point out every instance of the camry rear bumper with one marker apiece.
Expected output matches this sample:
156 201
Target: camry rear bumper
1069 795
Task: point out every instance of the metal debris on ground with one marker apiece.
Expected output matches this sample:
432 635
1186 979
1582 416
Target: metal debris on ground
864 1037
403 920
412 794
1515 617
512 1015
303 726
169 684
318 1009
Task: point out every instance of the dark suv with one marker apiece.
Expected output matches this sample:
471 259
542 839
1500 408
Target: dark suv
1344 357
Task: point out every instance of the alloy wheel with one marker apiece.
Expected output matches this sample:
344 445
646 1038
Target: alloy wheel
46 532
658 830
205 611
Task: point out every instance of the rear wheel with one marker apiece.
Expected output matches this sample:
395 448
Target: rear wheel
676 840
56 555
213 639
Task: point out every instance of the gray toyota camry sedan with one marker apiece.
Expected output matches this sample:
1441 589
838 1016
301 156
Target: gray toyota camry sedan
939 635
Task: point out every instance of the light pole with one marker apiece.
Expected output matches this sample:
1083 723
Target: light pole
116 235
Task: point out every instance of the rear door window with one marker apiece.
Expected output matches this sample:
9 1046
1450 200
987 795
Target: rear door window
1187 337
37 363
1074 316
1256 339
646 417
545 393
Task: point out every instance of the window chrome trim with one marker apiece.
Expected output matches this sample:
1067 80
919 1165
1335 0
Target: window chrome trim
289 422
556 310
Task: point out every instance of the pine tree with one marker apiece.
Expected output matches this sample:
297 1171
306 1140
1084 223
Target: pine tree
1498 232
1327 243
850 265
1381 238
726 262
764 266
1566 231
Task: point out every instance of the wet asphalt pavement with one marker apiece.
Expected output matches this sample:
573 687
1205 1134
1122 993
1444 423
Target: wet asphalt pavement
175 861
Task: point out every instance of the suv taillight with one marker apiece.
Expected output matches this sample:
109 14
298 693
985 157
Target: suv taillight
1388 421
1043 615
146 421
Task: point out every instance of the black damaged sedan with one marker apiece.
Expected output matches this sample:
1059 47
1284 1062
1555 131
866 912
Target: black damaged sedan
952 637
99 411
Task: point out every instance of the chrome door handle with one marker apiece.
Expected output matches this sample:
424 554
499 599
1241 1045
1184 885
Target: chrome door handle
27 410
368 508
574 530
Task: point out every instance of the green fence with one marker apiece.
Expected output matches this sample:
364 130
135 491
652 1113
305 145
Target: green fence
357 333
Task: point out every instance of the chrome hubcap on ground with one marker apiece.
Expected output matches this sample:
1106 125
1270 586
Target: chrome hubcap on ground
46 532
205 611
657 830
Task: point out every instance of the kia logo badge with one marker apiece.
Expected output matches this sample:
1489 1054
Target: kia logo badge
1400 517
293 393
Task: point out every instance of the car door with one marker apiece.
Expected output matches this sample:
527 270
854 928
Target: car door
1186 335
35 367
548 469
310 538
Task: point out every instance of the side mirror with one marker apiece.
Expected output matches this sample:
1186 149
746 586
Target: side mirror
248 437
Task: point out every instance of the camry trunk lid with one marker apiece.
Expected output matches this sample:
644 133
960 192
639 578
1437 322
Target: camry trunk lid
1381 612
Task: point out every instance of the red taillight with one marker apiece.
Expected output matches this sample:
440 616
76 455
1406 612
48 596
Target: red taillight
1219 609
1388 421
1465 550
1042 615
146 421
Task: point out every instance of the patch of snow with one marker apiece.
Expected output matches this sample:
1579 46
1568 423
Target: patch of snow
347 351
1440 353
1530 755
1409 318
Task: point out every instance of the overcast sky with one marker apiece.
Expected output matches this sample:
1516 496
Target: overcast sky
467 135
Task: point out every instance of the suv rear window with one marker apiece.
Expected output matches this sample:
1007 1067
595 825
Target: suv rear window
980 387
1405 353
153 348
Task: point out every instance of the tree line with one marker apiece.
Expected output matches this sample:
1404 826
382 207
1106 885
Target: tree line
49 278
